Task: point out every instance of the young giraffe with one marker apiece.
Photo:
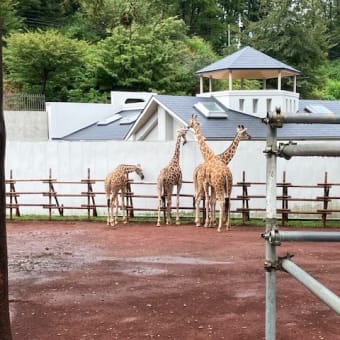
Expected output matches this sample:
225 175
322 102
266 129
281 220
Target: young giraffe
168 177
216 174
226 156
116 181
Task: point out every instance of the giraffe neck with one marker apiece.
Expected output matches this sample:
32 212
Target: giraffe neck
206 152
129 168
175 157
227 155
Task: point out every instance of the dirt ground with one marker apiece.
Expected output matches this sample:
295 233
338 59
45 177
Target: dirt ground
84 280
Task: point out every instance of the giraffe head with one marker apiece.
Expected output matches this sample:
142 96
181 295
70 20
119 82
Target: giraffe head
182 133
243 133
139 171
193 122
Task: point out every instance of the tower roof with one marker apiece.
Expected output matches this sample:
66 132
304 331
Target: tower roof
247 63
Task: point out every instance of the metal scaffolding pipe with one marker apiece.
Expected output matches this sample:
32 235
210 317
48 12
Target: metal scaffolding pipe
323 293
270 249
279 118
288 150
304 236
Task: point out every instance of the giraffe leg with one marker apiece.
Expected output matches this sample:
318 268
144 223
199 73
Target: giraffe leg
177 204
159 212
207 217
168 208
212 206
115 211
220 222
108 203
228 224
198 198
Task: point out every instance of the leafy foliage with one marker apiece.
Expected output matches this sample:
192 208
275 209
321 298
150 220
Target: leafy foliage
44 61
82 49
297 38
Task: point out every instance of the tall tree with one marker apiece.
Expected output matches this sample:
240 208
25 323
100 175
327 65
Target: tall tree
6 11
142 57
294 32
43 62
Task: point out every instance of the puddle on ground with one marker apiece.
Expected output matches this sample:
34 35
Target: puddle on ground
168 260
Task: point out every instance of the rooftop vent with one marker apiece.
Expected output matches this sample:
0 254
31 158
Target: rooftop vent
211 109
109 120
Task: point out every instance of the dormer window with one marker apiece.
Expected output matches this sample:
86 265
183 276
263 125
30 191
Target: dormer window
211 109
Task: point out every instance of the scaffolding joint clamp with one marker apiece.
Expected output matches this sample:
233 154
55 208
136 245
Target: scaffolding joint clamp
272 237
270 265
288 256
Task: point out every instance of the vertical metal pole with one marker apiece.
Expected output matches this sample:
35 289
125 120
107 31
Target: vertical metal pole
270 250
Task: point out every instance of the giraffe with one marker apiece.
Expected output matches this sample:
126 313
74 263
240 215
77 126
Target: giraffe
117 181
216 174
226 156
168 177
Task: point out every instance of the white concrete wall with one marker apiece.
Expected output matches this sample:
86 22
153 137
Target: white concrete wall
26 125
70 161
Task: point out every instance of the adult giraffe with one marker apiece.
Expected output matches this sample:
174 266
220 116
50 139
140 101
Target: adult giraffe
226 156
116 181
169 177
216 174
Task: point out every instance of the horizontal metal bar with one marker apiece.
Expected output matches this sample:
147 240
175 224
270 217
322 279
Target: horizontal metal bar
288 150
323 293
304 236
278 118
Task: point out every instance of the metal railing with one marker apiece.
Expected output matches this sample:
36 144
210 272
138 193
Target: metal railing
24 102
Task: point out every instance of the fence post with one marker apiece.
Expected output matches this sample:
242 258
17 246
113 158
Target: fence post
90 196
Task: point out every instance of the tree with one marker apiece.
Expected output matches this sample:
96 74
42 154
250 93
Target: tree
44 61
5 326
331 90
143 57
294 33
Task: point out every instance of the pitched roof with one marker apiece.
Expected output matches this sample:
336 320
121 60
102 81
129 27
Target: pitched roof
212 128
109 129
224 129
247 63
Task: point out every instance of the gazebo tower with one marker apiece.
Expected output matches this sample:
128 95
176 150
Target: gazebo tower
248 63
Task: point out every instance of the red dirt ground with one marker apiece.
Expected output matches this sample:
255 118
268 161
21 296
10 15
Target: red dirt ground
84 280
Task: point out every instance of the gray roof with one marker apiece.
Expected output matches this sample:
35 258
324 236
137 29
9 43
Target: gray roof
116 130
224 128
212 128
247 58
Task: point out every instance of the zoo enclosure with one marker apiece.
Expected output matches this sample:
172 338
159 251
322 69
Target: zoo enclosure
58 197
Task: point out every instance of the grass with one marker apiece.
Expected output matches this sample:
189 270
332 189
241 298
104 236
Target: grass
185 219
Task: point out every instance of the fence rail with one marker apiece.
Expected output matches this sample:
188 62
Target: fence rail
88 195
24 102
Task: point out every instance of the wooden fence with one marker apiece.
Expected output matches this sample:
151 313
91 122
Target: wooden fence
248 198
